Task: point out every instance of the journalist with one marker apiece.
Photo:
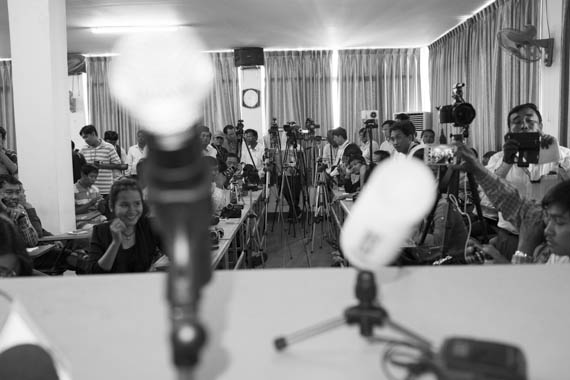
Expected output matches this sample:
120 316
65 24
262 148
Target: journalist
544 226
524 118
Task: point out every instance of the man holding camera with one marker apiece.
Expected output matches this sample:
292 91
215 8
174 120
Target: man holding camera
524 118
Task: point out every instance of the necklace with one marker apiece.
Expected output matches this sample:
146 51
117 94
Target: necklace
128 236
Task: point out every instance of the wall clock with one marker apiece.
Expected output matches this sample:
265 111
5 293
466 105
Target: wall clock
250 98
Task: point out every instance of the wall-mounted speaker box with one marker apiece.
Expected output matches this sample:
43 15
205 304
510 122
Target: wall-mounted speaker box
249 56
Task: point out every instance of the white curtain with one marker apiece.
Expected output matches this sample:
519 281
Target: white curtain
105 113
7 104
222 106
494 80
298 86
387 80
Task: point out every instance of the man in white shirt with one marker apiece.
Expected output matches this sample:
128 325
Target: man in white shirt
205 139
524 118
387 144
329 150
365 145
135 153
402 136
253 152
341 140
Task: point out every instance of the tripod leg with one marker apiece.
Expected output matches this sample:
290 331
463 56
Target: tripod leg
477 201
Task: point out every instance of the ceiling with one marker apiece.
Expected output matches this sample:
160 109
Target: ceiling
271 24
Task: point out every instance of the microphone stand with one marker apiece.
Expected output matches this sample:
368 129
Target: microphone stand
367 314
370 153
180 191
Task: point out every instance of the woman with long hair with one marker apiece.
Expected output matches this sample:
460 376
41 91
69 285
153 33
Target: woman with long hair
126 243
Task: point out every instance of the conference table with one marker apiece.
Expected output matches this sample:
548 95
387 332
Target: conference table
243 227
117 326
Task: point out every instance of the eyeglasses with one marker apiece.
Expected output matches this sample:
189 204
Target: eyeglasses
520 123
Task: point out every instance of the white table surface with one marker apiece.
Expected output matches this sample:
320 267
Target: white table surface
116 326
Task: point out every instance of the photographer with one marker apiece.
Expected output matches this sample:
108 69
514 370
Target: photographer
341 140
231 143
365 144
252 154
524 118
544 227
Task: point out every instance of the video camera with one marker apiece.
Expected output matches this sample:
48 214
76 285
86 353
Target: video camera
274 128
239 128
460 113
310 125
370 119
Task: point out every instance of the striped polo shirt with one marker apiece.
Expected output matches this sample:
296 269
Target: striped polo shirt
84 195
105 153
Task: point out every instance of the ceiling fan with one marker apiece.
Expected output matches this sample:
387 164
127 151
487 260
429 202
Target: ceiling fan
524 45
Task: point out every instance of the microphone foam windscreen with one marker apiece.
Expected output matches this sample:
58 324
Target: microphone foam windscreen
398 194
162 78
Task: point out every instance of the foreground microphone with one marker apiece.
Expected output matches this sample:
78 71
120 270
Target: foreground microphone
163 78
399 193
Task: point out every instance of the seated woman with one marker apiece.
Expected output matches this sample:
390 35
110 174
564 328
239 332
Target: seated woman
14 260
126 243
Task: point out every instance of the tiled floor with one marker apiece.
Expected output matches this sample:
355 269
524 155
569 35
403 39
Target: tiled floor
289 245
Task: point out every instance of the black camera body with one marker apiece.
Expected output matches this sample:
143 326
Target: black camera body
239 128
460 113
529 147
274 128
310 125
527 141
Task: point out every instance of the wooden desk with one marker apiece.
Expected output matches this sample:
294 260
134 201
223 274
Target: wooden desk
68 236
39 250
231 227
116 326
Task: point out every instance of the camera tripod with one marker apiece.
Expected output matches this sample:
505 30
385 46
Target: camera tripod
321 213
289 165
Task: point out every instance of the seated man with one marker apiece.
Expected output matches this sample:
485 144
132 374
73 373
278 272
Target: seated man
402 135
10 189
524 118
14 260
544 227
428 136
88 198
220 197
355 175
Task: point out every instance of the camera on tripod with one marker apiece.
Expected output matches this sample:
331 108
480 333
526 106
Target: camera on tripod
370 119
310 126
239 128
321 166
460 113
274 128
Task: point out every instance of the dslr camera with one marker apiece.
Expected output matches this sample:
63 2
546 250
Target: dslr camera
460 113
529 147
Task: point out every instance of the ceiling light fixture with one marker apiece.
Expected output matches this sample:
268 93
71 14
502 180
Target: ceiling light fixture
134 29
